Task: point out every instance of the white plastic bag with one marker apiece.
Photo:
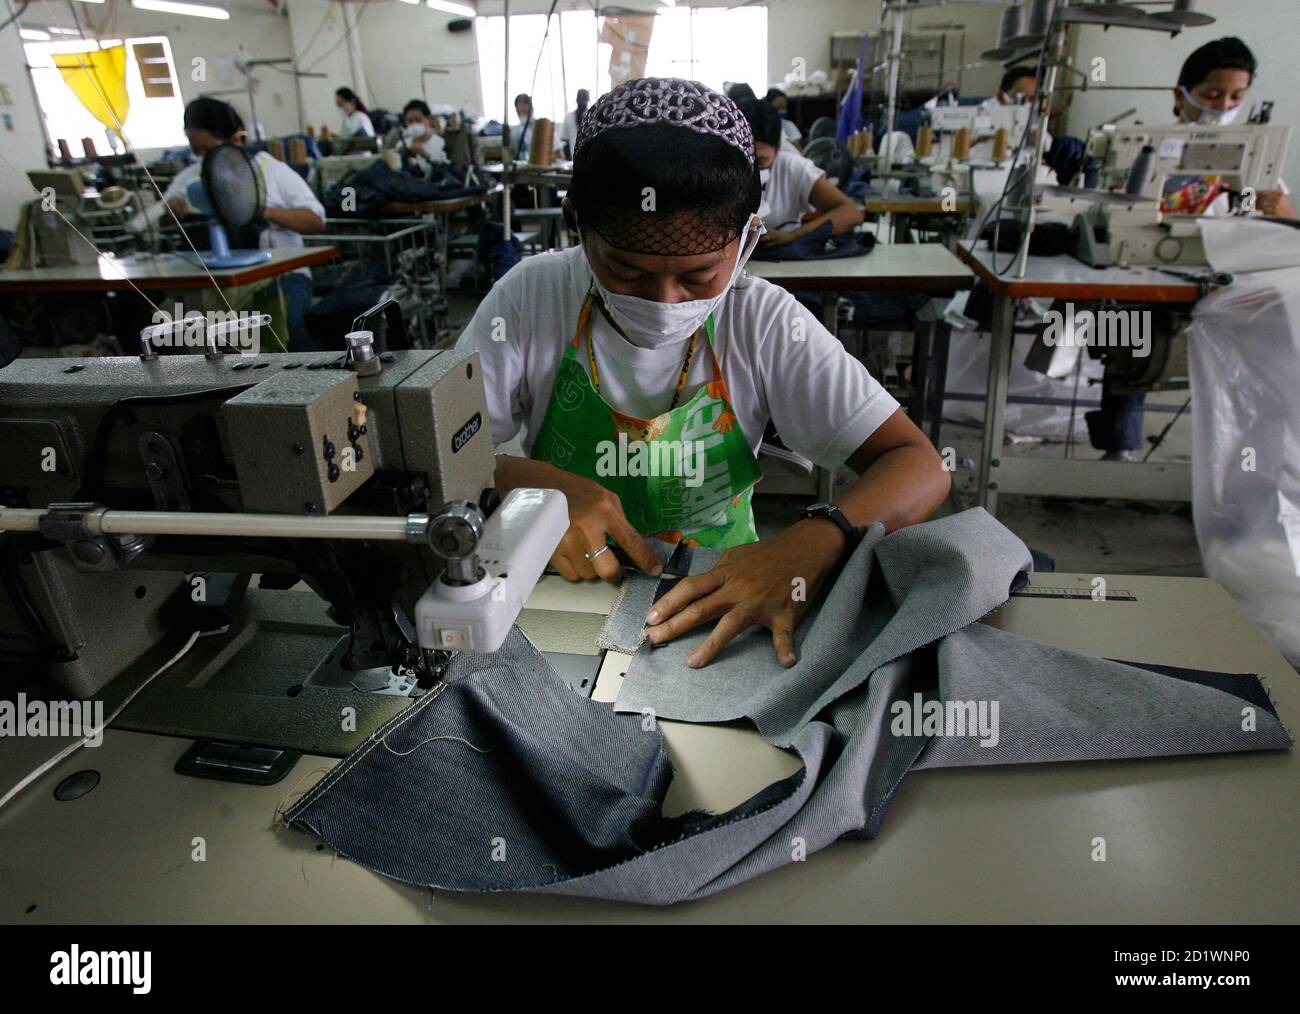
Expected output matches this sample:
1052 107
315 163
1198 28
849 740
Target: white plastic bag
968 373
1244 361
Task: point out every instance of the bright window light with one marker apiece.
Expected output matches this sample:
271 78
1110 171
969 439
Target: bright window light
150 123
464 10
34 35
174 7
709 45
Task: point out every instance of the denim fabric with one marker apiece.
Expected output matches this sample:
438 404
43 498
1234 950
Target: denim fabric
569 793
297 299
1117 425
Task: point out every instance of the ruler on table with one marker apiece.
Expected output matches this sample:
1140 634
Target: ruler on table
1032 591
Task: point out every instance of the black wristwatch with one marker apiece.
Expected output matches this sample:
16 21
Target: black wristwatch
832 513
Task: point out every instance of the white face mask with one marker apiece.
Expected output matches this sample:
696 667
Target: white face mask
1209 117
649 323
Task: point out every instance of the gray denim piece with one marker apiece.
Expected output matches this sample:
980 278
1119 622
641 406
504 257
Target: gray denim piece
624 629
894 595
578 789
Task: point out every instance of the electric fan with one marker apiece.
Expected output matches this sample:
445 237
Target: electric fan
229 190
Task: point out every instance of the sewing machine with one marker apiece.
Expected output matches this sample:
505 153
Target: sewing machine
956 130
1157 182
142 494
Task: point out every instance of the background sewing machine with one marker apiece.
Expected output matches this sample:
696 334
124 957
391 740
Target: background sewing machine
1156 182
142 494
959 133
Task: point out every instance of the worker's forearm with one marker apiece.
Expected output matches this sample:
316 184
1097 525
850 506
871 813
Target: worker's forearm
843 218
517 473
904 486
298 219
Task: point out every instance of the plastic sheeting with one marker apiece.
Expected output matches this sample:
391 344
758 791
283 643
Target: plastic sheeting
968 373
1244 358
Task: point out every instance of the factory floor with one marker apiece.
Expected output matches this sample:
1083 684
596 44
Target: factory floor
1085 536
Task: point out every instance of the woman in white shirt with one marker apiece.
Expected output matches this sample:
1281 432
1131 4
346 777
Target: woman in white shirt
643 367
356 118
797 196
1211 90
291 209
421 133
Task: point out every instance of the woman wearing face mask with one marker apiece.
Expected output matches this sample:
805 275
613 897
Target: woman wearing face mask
1211 90
356 118
643 367
419 133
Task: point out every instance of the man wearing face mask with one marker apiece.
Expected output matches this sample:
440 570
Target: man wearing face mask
1211 90
647 343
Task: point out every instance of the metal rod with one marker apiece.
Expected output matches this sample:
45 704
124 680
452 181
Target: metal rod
895 57
1040 144
273 526
507 157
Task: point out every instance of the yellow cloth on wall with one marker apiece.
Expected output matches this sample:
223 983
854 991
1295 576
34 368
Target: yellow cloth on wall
98 79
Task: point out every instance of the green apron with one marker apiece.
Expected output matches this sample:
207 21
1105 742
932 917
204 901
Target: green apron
687 475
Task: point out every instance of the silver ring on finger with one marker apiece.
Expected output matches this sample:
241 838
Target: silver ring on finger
602 549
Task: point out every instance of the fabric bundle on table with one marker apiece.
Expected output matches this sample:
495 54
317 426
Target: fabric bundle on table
502 778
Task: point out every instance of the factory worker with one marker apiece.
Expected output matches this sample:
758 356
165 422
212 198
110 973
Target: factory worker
1212 88
356 118
420 133
781 103
569 129
291 208
797 196
643 366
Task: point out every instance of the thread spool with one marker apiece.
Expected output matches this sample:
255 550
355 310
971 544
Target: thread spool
1000 145
324 133
1139 173
543 143
924 142
276 149
311 131
88 146
961 144
297 150
64 150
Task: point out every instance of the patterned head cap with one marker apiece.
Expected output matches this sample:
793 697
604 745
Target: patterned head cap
669 100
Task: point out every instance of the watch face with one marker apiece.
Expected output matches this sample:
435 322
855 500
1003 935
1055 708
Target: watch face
818 508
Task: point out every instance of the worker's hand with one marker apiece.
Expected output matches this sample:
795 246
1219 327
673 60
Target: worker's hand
594 514
779 237
769 583
1269 202
180 207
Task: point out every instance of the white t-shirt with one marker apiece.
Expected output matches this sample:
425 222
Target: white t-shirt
284 189
790 132
357 124
778 360
430 147
788 191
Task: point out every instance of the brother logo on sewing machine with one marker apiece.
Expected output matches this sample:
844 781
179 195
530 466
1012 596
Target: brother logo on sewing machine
463 435
300 441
